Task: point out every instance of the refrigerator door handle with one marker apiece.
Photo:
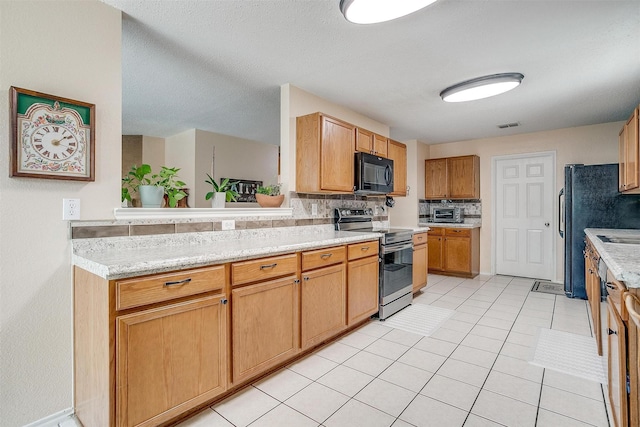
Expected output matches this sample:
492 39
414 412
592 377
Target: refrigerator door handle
561 213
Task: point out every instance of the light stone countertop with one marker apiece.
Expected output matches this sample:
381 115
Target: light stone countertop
122 257
449 224
622 259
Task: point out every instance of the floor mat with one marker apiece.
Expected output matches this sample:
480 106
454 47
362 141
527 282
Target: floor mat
570 354
420 319
548 287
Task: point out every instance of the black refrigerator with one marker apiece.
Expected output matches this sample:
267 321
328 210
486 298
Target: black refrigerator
590 199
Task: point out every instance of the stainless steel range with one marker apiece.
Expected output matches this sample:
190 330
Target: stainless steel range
396 259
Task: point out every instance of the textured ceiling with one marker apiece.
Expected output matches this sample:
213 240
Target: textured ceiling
218 65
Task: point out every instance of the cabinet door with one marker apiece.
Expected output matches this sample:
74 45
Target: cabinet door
463 177
398 153
323 294
336 160
622 159
617 339
380 145
631 152
362 289
435 186
435 252
169 359
264 326
364 141
457 254
419 267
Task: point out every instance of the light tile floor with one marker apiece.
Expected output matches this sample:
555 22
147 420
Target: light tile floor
471 372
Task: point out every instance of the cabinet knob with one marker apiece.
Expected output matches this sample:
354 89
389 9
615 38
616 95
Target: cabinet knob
224 301
611 332
305 278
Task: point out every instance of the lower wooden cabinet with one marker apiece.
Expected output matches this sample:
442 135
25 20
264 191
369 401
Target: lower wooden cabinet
170 359
264 326
362 295
323 304
592 286
420 261
454 251
617 354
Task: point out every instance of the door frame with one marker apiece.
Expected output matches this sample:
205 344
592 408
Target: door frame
494 191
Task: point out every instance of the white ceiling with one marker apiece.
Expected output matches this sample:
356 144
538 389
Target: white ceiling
217 65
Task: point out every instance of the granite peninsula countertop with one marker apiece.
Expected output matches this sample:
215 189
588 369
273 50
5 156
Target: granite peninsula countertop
622 259
122 257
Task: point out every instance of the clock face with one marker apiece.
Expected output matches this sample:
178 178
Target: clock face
53 140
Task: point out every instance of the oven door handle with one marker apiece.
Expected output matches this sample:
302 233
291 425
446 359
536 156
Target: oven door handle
396 248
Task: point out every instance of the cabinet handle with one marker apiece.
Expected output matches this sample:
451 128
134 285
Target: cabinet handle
264 267
364 248
611 332
457 231
224 301
419 237
610 286
179 282
325 256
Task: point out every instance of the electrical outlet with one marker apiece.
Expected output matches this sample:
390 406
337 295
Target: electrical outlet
70 209
314 209
228 224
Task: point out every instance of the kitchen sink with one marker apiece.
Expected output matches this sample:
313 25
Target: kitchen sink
628 240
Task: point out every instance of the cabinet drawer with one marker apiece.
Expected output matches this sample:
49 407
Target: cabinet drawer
361 250
435 231
458 232
136 292
420 239
323 257
262 269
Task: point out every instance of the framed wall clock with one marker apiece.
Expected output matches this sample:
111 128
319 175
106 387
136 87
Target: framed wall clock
51 137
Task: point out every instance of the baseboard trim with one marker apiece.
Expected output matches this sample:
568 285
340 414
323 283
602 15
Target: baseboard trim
52 420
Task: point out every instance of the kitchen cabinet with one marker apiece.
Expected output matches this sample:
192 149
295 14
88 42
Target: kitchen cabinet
398 153
452 178
324 154
369 142
629 152
632 305
264 325
420 260
150 348
592 286
617 366
454 251
323 302
362 281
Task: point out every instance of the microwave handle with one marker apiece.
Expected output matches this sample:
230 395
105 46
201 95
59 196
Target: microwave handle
387 175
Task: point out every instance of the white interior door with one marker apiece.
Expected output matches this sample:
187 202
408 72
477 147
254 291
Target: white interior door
524 217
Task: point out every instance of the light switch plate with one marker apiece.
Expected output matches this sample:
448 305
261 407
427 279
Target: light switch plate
70 209
228 224
314 209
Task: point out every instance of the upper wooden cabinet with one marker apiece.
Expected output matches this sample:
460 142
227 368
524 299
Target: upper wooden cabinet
324 154
398 153
452 178
629 147
372 143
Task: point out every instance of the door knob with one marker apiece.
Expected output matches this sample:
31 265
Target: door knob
546 224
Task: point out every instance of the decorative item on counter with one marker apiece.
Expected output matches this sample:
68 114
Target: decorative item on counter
390 202
269 196
223 192
153 187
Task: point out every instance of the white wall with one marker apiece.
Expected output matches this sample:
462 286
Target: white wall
153 151
70 49
595 144
234 158
180 152
405 211
296 102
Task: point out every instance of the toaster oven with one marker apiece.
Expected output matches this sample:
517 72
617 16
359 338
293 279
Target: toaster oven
447 215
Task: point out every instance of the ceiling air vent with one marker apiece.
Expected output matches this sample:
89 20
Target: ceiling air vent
509 125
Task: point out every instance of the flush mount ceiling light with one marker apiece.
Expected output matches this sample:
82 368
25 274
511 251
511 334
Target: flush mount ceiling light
374 11
481 87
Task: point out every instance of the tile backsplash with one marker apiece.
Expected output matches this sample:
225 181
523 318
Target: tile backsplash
301 205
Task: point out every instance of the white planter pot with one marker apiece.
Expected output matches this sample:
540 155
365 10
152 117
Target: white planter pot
218 200
151 196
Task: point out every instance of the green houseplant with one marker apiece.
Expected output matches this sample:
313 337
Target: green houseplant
222 192
269 196
152 187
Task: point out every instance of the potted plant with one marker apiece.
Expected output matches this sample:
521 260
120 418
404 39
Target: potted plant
269 196
223 192
152 187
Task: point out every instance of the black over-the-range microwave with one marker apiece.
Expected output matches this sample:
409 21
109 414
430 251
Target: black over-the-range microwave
373 174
